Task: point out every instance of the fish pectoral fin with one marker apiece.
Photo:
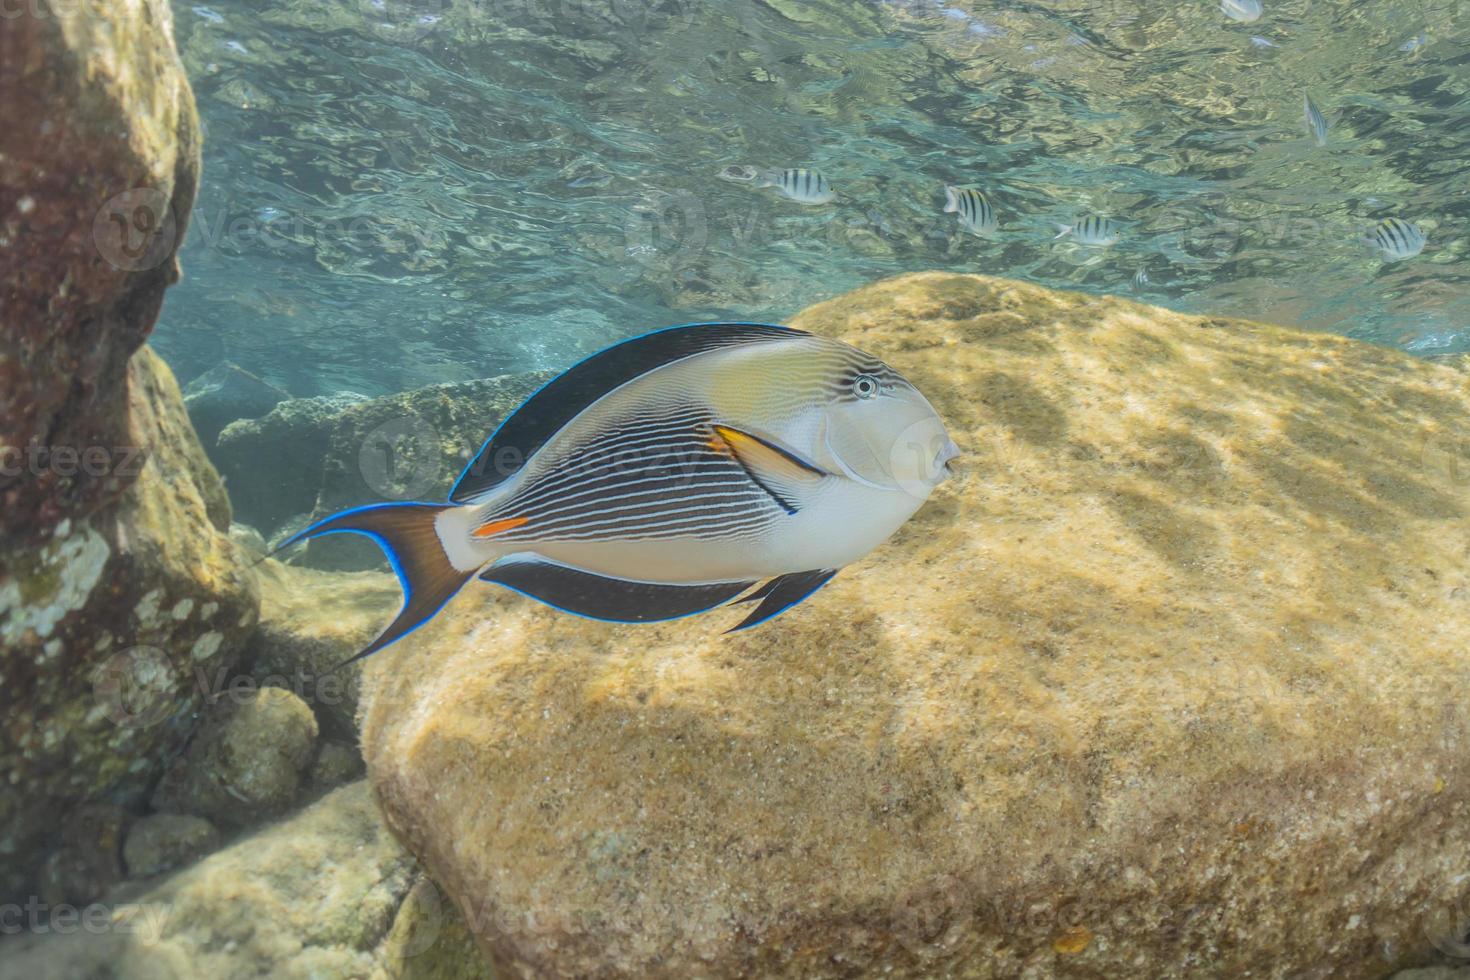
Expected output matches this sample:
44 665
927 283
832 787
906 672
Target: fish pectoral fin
605 597
782 474
780 594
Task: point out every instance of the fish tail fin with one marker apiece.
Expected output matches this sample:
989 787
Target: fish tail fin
1062 230
951 200
409 536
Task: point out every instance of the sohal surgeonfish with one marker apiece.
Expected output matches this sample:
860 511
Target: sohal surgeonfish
673 473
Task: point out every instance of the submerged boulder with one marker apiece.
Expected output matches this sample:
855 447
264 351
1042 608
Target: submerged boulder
1168 682
327 893
224 394
310 457
116 578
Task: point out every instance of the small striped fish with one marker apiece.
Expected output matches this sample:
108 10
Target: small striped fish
1316 122
1244 11
1091 230
670 474
975 212
1397 239
800 184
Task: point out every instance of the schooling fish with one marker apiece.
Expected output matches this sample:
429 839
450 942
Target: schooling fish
1316 122
974 210
1397 239
671 474
1091 230
800 184
1244 11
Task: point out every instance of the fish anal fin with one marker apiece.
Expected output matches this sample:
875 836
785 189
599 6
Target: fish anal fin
604 597
779 472
781 593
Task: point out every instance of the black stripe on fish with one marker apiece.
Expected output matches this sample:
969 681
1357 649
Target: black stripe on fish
569 394
780 594
604 597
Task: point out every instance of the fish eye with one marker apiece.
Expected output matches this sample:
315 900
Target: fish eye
865 386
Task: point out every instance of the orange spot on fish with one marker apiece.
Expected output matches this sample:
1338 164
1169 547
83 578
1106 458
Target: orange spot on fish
496 527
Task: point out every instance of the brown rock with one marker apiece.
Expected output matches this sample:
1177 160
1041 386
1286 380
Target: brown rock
99 158
116 580
1168 683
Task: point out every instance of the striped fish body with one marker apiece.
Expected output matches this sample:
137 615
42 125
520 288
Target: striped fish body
1397 239
644 485
800 184
1316 122
1092 230
1244 11
976 214
670 474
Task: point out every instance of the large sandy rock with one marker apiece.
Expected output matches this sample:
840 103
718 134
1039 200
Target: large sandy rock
116 579
1169 683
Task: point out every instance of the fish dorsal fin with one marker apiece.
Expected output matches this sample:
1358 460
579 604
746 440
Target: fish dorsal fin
604 597
779 472
781 593
567 395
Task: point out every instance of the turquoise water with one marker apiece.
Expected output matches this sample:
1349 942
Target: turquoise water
401 192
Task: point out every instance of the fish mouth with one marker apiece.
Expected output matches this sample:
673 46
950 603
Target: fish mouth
944 462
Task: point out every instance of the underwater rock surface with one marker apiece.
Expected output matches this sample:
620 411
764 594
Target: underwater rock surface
100 139
327 893
1169 682
116 579
311 457
107 629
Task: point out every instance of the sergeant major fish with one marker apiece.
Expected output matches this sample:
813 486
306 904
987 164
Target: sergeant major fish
1091 230
671 474
975 212
1397 239
799 184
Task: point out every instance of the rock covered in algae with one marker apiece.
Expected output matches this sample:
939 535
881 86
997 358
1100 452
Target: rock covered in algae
247 761
161 842
116 580
1169 682
110 632
326 893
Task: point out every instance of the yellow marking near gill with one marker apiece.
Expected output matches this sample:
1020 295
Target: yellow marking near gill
496 527
755 453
